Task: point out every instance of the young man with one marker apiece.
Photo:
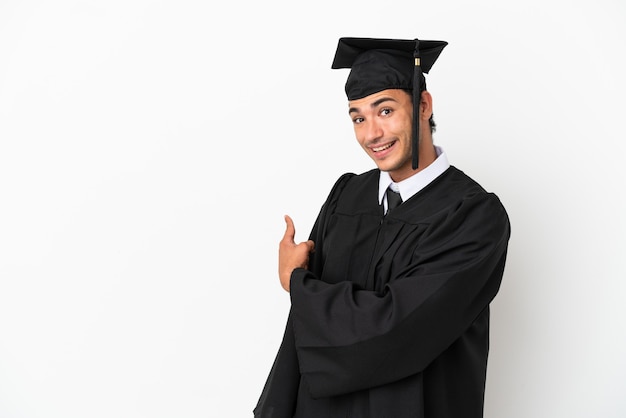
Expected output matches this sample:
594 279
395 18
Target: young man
390 306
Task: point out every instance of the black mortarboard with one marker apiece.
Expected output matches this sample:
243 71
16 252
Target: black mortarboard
381 64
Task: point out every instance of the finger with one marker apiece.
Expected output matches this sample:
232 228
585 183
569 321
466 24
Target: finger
290 231
311 245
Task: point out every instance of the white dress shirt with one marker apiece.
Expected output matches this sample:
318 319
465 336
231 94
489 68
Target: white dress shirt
408 187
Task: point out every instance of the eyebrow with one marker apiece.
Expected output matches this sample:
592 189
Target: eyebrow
373 105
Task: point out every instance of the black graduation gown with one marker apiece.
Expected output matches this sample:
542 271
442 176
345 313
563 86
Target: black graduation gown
391 319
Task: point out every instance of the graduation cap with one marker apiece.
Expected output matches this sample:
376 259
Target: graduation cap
381 64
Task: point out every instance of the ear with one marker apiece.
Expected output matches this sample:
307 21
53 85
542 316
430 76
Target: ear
426 106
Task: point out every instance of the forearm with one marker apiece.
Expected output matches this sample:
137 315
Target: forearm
349 340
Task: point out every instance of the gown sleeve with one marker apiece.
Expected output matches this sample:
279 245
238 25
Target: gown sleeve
279 395
278 398
349 339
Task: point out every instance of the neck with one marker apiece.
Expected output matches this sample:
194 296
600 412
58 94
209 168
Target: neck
427 152
427 155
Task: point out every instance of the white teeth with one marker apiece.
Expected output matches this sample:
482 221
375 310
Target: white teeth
384 147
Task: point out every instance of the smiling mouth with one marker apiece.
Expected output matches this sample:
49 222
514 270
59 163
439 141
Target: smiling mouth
383 147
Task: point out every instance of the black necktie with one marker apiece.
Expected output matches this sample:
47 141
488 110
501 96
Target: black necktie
393 200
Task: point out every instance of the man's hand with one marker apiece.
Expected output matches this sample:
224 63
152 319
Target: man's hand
292 255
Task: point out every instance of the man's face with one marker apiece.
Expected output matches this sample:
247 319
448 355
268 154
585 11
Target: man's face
382 124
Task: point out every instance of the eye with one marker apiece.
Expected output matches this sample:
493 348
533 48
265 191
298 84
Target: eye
357 120
385 111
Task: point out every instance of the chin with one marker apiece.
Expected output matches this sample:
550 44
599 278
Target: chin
386 166
382 167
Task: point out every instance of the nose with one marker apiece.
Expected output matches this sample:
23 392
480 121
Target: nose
373 130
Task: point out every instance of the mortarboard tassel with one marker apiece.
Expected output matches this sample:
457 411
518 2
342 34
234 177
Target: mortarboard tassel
417 73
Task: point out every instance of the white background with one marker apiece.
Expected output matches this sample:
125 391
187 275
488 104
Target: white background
149 150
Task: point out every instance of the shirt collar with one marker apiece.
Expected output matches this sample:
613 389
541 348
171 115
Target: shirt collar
417 181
